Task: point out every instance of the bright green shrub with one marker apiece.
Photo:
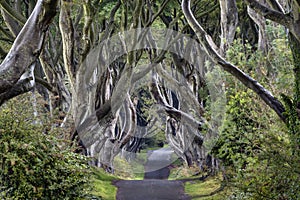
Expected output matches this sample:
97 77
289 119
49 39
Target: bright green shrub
240 131
260 158
260 154
35 165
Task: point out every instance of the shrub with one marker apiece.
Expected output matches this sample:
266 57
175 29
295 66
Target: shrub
35 165
260 154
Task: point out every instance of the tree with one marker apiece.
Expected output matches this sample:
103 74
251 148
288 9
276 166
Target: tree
277 16
91 75
26 48
256 162
98 94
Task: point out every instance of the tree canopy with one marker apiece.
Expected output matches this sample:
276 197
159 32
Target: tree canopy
199 74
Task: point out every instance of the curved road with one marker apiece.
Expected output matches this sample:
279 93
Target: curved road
158 164
154 186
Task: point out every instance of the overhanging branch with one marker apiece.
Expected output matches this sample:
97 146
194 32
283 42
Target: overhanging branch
15 15
21 87
268 13
28 44
275 5
248 81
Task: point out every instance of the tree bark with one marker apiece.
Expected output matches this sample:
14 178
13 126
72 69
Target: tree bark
262 36
67 33
27 46
229 22
248 81
289 20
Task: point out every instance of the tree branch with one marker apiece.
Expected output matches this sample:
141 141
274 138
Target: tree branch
12 25
27 45
21 87
163 5
248 81
275 5
44 83
183 89
268 13
6 33
171 111
2 53
67 33
15 15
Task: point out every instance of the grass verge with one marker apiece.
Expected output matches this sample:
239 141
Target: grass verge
102 186
210 189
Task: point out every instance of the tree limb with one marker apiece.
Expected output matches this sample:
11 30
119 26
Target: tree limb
21 87
248 81
67 33
27 45
171 111
275 5
274 15
15 15
44 83
6 33
2 53
183 89
163 5
12 25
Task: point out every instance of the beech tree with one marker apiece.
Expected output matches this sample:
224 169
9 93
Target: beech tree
17 67
102 66
96 92
272 11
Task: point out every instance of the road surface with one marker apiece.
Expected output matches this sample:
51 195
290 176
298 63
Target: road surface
158 164
155 185
151 189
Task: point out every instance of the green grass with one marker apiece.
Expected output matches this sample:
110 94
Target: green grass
182 171
198 190
202 190
130 170
102 181
102 185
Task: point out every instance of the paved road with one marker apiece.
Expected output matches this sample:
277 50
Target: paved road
151 190
154 187
158 164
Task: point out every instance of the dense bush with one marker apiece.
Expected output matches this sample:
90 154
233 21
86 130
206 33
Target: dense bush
35 165
240 137
260 158
260 153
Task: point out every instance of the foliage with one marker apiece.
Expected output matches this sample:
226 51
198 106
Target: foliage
260 155
238 139
146 114
180 170
132 169
35 165
210 189
102 185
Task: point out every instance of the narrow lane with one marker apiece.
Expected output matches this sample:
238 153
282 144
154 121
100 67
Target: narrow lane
158 164
155 185
151 190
